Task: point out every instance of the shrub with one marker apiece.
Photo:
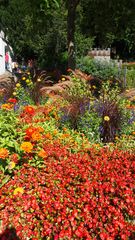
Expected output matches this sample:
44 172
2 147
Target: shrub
130 78
89 123
100 69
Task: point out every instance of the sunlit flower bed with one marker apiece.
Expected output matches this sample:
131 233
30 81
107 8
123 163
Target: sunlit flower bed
55 184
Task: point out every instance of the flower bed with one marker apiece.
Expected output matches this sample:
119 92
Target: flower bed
71 196
58 178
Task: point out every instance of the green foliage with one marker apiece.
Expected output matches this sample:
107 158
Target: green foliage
130 78
9 137
79 88
83 45
89 124
110 21
100 69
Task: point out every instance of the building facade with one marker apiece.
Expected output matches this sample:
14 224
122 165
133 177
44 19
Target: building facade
4 47
2 53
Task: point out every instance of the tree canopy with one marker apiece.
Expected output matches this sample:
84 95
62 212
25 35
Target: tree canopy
44 29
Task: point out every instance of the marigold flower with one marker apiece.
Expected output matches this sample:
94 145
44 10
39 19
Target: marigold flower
11 165
7 106
42 153
55 132
27 147
18 190
36 136
4 153
48 135
106 118
29 109
133 133
29 131
40 129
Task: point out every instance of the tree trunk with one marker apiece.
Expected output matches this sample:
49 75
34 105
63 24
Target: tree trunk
72 4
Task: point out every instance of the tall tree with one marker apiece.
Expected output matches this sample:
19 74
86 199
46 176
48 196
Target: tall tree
71 5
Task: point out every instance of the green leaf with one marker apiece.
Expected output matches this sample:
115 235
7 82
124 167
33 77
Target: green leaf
4 181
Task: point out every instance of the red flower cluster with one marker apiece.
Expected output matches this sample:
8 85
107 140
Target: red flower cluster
74 196
12 100
27 114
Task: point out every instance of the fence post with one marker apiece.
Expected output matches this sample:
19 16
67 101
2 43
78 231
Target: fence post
125 73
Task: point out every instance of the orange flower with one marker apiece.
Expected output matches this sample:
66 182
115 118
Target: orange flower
42 153
3 153
27 147
29 109
48 135
7 106
29 131
36 136
55 132
133 133
65 135
40 129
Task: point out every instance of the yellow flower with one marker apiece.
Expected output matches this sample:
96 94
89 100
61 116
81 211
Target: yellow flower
24 78
27 81
11 165
28 73
106 118
14 93
18 190
94 87
38 80
27 147
18 85
63 79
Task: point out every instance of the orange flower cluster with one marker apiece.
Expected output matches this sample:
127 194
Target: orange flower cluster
48 136
29 110
7 106
4 153
27 147
42 153
34 133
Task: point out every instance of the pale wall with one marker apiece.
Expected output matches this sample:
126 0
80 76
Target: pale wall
2 54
